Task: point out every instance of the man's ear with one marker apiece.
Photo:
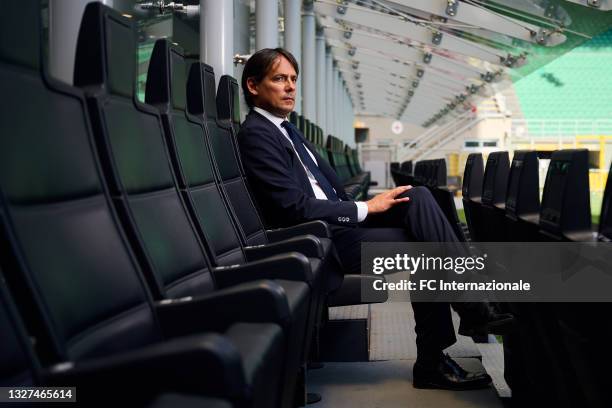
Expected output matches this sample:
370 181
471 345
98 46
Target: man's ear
252 86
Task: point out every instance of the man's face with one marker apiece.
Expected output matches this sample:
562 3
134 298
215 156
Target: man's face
276 91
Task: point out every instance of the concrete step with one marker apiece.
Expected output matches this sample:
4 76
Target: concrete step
392 335
493 362
388 384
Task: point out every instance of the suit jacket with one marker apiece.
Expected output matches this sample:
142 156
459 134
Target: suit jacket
280 183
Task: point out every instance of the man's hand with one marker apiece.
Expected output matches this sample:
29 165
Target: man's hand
383 201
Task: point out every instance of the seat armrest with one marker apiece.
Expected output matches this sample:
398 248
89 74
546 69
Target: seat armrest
317 228
203 364
288 266
357 290
254 302
308 245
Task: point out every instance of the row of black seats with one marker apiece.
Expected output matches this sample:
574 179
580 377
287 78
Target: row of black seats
130 243
432 174
502 203
402 173
554 357
343 158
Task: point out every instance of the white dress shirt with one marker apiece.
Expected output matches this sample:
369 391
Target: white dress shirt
362 207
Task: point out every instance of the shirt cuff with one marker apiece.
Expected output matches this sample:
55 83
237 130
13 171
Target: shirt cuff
362 210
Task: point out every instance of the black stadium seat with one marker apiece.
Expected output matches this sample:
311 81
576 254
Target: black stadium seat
228 105
472 193
523 198
352 159
566 211
72 272
405 175
436 182
565 215
21 368
495 184
354 187
394 169
605 217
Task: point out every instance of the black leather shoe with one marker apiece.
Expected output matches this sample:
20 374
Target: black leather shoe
448 375
483 319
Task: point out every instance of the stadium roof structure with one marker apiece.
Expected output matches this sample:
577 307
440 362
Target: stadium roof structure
423 61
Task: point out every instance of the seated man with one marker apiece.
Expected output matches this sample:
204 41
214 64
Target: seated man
292 184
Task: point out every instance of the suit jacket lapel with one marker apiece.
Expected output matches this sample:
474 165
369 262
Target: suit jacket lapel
279 135
297 164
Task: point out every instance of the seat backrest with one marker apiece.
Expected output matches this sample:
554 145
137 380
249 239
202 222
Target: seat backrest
406 167
605 217
356 161
72 268
307 130
495 181
193 160
228 102
294 118
523 195
18 364
419 172
231 176
320 146
130 136
566 199
439 173
348 154
472 177
337 158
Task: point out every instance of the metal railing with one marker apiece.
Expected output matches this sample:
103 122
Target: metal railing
560 129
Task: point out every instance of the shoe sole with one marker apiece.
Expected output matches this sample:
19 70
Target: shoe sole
467 387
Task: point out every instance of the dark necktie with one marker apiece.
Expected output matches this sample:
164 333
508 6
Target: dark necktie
298 142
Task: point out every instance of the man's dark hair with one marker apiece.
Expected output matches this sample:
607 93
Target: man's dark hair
258 66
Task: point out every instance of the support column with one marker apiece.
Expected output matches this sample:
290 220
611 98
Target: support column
242 45
217 36
338 102
293 40
345 105
320 74
64 23
308 62
328 90
266 24
333 100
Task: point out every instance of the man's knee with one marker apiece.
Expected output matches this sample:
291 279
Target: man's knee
419 193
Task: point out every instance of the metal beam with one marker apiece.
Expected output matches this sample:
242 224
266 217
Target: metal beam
603 5
386 48
405 29
484 18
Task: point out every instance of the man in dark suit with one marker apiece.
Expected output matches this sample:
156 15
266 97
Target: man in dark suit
292 184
